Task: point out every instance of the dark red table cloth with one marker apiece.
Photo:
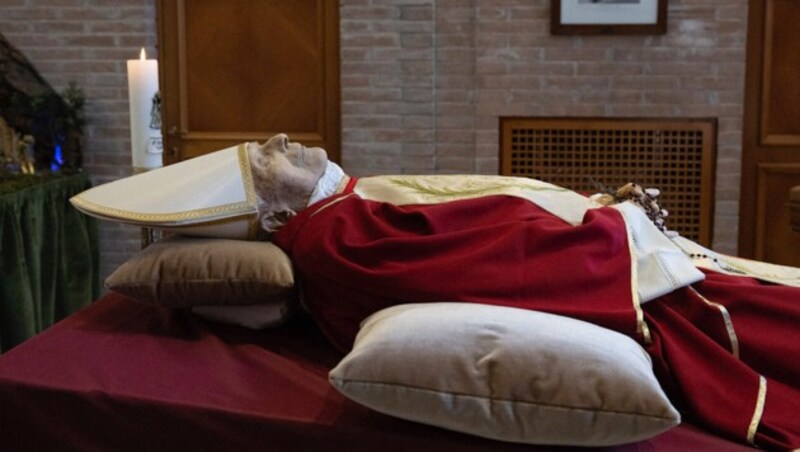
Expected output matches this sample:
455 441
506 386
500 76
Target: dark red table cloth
120 375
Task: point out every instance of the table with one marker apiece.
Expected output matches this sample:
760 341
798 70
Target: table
49 259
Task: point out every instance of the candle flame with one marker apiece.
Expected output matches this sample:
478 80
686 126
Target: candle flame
142 55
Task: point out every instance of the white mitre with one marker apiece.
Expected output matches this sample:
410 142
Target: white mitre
212 195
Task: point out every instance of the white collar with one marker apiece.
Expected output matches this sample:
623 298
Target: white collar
328 183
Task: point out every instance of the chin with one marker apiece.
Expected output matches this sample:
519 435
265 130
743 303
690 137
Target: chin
320 151
319 156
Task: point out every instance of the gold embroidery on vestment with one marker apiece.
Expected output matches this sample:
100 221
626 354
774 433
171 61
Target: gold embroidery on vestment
726 318
335 201
641 325
419 185
759 411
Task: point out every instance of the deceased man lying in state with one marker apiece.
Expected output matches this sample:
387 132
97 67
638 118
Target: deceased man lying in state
375 242
721 331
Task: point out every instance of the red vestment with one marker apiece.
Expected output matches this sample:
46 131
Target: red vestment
354 257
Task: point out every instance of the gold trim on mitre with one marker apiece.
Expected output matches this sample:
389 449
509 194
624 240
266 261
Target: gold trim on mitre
135 199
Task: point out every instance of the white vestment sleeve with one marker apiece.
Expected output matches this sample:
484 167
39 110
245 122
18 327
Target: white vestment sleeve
661 267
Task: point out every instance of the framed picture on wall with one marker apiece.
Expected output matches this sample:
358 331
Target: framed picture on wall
584 17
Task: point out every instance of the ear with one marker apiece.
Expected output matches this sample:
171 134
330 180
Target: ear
276 219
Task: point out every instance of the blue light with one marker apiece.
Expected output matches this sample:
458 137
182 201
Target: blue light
58 159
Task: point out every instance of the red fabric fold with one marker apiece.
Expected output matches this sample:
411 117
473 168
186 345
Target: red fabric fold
692 355
356 257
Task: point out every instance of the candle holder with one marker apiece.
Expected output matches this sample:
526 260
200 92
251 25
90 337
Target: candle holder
144 102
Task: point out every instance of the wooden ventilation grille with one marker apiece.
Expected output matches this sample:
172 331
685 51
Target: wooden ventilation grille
675 156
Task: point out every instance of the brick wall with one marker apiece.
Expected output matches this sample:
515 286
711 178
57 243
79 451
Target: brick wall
409 107
424 81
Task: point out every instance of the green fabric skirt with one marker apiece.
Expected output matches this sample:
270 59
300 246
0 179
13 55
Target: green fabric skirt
49 259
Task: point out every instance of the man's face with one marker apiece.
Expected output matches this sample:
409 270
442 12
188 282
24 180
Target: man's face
284 171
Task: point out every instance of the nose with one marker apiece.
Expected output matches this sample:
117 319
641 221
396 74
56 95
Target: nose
280 141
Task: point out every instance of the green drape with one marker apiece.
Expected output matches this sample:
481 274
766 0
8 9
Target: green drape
49 259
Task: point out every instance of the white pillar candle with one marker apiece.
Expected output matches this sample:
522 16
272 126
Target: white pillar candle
146 147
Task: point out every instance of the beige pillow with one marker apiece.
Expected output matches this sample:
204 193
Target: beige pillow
505 373
181 271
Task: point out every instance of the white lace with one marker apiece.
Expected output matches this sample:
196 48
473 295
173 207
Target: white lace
328 183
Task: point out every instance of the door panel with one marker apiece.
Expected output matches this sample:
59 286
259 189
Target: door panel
245 70
781 90
775 238
771 139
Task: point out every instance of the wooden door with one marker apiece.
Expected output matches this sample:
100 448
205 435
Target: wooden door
771 145
235 71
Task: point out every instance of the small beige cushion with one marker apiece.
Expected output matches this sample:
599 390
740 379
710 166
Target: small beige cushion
505 373
181 271
253 316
